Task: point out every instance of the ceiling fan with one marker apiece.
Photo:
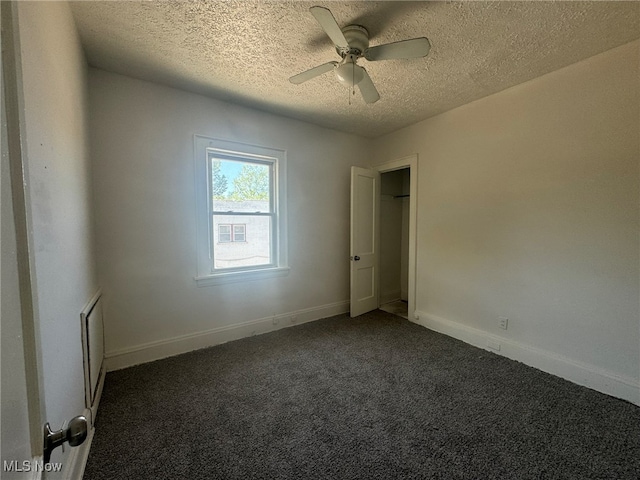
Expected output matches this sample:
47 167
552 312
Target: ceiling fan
352 43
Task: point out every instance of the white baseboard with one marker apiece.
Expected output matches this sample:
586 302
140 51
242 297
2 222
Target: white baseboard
77 459
36 473
93 409
148 352
581 373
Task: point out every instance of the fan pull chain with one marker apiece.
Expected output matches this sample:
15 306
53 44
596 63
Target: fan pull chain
353 80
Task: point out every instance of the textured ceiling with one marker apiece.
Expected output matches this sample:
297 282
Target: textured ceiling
245 51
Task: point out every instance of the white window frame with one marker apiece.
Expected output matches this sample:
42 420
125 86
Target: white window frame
204 147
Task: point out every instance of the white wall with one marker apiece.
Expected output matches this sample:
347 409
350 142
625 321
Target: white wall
142 147
55 112
528 208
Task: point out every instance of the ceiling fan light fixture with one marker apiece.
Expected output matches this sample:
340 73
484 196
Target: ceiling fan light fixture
349 73
351 43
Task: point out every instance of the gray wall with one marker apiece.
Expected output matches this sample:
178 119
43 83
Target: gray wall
528 208
59 186
145 205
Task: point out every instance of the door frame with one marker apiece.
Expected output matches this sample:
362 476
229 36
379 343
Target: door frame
25 256
410 162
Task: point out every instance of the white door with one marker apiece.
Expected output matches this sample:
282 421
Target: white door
365 202
21 406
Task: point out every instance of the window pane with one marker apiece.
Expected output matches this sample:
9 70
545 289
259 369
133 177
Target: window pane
238 186
239 233
224 233
253 250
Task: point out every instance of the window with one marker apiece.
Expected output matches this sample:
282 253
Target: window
241 211
224 233
231 233
239 233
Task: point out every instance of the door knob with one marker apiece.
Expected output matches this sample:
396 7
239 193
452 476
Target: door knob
75 434
356 258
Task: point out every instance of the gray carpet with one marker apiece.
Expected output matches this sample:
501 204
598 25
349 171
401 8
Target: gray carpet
375 397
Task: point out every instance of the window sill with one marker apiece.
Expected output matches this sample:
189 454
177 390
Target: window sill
244 276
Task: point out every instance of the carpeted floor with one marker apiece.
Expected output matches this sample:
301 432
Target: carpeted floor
375 397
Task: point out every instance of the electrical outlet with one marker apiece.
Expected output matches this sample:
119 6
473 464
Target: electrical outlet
294 318
503 322
275 320
493 345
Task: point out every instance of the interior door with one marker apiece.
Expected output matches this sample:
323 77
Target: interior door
365 203
22 406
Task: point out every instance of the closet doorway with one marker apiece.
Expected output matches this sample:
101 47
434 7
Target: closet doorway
397 237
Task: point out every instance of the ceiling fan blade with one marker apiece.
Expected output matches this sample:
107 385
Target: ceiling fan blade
414 48
368 89
329 25
312 73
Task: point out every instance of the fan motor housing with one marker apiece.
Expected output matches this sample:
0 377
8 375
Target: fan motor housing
358 39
